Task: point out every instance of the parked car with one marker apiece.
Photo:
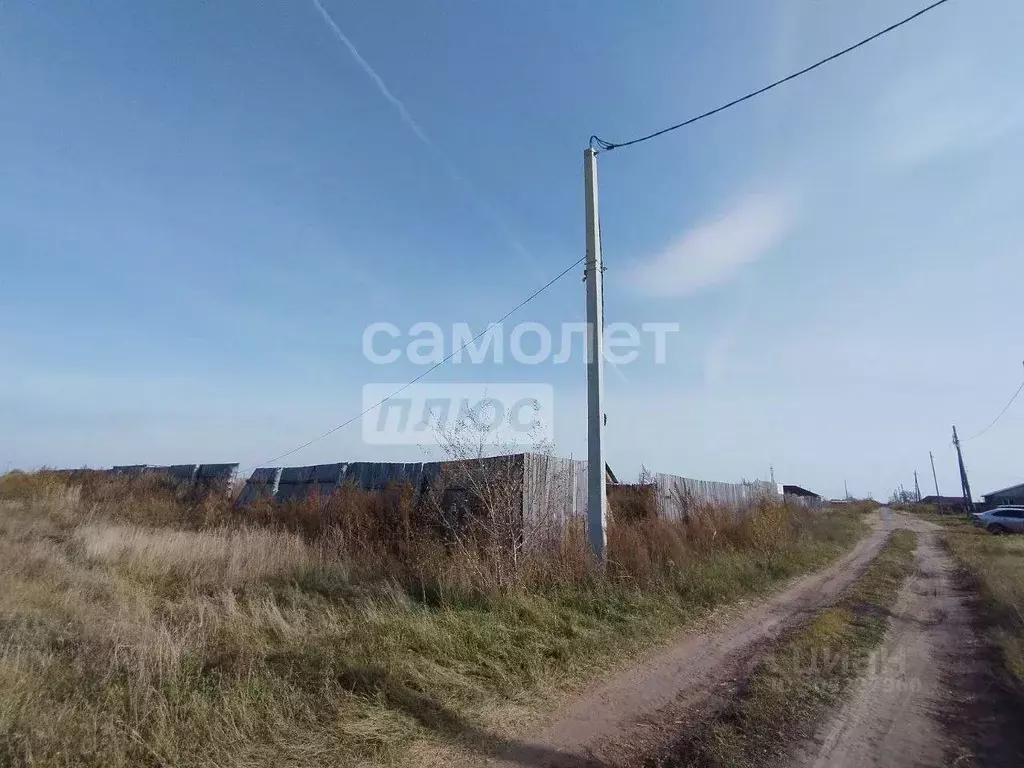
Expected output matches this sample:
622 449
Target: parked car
1004 519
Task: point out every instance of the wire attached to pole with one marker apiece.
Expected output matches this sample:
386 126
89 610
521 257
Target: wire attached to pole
997 418
600 145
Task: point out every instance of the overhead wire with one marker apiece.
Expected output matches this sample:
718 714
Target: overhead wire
605 146
432 368
997 418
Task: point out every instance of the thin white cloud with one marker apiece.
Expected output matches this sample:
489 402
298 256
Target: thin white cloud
939 110
717 250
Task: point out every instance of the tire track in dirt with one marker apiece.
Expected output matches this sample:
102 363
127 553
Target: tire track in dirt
922 692
636 710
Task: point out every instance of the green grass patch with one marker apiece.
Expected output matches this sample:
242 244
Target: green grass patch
790 693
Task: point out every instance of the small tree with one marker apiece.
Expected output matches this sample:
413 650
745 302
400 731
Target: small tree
481 499
902 496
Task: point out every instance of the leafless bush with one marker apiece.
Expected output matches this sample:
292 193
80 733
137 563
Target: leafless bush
484 502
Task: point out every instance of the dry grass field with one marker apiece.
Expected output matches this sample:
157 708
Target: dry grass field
140 625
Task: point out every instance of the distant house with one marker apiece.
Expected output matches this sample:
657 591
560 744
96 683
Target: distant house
796 490
1012 495
949 504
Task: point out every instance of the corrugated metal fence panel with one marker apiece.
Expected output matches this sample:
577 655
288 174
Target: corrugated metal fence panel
296 475
131 470
327 473
183 473
375 475
262 484
216 477
324 479
205 476
300 482
210 472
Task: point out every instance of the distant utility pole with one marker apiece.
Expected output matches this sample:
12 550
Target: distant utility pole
964 484
934 476
597 493
917 488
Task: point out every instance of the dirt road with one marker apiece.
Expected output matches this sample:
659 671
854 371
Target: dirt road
925 689
635 709
925 694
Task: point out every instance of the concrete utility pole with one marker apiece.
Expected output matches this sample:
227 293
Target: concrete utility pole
597 493
917 488
964 484
935 477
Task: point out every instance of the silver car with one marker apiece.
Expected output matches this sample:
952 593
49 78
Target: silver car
1004 519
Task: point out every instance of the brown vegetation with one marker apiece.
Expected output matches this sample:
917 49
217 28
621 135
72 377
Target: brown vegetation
142 624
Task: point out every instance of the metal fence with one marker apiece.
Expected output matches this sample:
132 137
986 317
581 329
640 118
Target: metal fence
200 476
554 489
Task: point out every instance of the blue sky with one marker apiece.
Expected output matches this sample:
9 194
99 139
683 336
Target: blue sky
204 204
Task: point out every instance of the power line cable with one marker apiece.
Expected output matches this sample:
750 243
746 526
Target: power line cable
432 368
604 146
997 418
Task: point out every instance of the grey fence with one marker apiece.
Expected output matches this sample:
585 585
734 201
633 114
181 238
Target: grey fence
678 495
296 483
200 476
809 502
554 489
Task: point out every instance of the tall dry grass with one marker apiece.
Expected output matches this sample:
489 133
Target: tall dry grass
141 626
220 557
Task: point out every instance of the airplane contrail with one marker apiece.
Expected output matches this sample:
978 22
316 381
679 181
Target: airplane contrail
414 126
407 118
